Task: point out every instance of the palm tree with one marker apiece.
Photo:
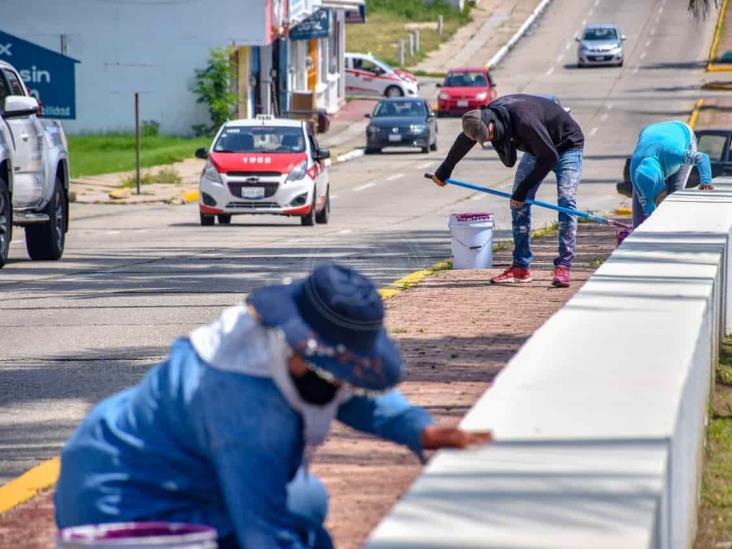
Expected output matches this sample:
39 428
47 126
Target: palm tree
700 8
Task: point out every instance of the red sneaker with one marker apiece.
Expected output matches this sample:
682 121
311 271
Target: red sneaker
560 277
513 275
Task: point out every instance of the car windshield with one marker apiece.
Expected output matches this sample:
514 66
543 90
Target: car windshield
260 139
600 33
466 80
399 108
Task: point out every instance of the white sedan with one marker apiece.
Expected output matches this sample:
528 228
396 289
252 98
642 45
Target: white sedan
367 75
264 166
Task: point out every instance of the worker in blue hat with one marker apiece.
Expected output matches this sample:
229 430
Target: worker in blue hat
220 433
661 165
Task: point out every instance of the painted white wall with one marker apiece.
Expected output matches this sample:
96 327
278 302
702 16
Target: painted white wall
133 45
600 416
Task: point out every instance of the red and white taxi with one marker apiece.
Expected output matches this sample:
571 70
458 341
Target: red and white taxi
367 75
264 166
465 89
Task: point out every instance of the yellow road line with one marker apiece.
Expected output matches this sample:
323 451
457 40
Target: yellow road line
717 35
27 485
694 116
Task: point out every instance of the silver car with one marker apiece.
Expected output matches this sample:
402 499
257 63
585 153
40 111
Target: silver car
600 45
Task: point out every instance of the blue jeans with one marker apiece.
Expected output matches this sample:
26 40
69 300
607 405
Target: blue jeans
568 171
676 182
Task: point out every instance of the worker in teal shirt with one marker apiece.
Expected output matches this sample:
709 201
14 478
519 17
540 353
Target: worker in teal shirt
662 161
220 432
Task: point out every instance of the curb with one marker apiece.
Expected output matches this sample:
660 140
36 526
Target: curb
27 485
496 59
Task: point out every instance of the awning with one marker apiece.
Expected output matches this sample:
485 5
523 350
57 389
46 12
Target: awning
340 4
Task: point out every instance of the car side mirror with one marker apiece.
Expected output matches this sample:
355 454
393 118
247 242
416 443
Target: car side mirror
623 37
576 38
367 115
20 105
322 154
202 153
438 85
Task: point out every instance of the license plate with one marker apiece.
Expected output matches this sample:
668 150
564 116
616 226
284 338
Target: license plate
462 103
395 137
252 192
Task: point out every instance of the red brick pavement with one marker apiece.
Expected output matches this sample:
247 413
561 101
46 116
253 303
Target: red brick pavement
456 332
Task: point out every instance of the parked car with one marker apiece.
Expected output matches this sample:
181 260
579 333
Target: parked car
600 45
716 143
465 89
264 166
34 172
407 122
367 75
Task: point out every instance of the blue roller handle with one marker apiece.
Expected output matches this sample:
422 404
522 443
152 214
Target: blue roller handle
568 211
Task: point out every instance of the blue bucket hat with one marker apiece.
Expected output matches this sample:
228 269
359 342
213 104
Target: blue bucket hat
335 319
649 182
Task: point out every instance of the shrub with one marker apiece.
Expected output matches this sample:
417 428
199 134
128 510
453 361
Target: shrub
212 88
150 128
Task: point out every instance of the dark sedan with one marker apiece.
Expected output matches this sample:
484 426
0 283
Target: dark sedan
401 122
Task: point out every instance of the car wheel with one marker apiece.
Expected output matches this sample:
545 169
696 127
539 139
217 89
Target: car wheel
619 64
323 216
6 222
224 219
372 150
207 220
394 91
580 65
308 220
45 241
433 147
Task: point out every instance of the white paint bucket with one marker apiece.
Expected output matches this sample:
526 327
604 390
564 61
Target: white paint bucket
137 534
472 240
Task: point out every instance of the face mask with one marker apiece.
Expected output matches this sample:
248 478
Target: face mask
313 389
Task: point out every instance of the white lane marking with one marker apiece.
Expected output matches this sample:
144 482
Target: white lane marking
648 43
584 22
589 13
424 165
597 3
560 57
643 55
476 197
395 176
635 70
113 232
660 11
345 231
593 131
364 187
551 70
610 106
603 117
568 45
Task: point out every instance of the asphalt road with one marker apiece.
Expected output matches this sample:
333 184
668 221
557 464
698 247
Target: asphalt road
134 278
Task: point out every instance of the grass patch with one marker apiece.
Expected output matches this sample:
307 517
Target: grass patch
95 154
166 174
384 28
715 513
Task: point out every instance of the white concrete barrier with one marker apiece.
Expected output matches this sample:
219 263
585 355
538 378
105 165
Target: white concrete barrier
599 418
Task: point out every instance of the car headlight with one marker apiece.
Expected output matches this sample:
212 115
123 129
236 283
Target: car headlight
211 174
417 128
482 96
298 172
444 96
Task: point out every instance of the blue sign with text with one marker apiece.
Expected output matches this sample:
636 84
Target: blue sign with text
315 26
48 75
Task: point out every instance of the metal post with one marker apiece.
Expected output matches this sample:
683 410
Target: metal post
137 141
416 40
411 45
440 23
401 53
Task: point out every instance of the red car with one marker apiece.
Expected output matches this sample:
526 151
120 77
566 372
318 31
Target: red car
465 89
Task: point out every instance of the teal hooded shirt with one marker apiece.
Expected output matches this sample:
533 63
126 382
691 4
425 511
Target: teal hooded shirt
661 151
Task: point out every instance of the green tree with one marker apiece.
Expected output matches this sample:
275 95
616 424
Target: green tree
212 88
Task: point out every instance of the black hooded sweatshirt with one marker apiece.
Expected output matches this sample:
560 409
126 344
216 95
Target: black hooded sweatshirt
532 124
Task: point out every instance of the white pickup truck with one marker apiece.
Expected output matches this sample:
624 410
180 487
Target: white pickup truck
34 172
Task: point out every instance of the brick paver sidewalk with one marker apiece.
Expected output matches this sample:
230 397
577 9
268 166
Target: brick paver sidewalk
456 333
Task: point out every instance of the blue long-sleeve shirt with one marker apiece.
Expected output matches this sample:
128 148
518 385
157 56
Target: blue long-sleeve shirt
670 145
197 444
